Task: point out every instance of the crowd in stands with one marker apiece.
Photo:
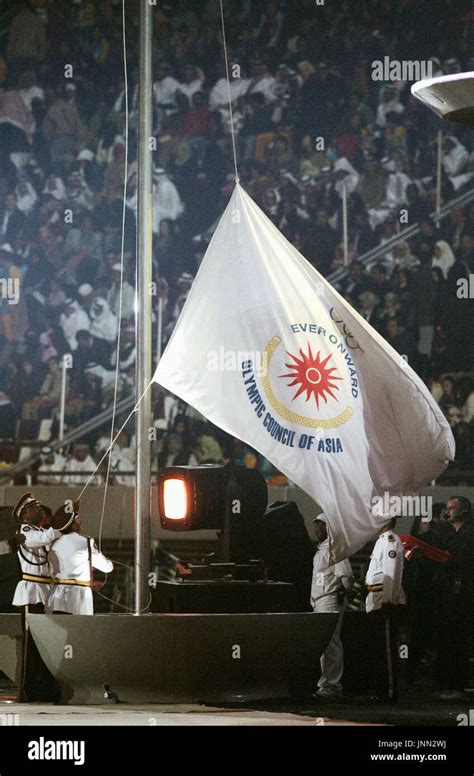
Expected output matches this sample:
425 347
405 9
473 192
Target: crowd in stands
309 120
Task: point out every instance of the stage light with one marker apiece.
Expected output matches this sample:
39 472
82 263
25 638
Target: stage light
191 498
175 499
450 96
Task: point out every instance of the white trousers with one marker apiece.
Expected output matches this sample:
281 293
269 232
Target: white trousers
332 661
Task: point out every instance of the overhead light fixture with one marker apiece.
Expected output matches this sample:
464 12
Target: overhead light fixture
450 96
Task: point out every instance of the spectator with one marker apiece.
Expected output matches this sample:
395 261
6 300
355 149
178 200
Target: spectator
49 394
12 219
458 600
208 449
466 251
51 467
455 156
167 202
443 258
79 465
128 294
403 342
104 323
119 465
26 47
62 126
72 320
371 187
174 453
370 308
389 103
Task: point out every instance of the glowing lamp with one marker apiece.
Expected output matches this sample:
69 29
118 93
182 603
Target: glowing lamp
175 499
191 498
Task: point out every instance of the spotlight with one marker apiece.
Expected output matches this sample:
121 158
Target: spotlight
191 498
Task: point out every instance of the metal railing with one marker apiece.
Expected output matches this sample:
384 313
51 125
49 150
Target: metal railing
405 234
77 433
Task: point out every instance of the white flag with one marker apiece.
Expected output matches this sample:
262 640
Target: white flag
267 350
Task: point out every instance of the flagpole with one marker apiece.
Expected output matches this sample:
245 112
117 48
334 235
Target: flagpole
144 310
62 404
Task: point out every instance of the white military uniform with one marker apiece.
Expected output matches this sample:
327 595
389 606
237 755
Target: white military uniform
71 559
384 575
328 580
384 583
33 556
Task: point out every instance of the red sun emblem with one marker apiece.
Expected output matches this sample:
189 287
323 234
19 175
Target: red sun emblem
313 376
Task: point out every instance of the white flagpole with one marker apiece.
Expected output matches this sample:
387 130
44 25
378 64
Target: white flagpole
62 403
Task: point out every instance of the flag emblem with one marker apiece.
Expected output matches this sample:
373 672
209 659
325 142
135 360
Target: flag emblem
320 388
313 375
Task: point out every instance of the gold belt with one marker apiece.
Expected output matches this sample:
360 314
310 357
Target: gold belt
374 588
55 580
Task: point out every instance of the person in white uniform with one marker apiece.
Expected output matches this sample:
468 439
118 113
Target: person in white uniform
32 591
33 588
329 589
72 560
385 596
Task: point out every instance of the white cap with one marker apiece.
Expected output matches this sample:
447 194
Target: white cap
321 517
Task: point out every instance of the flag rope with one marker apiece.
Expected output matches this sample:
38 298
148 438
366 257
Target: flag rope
122 249
91 477
232 131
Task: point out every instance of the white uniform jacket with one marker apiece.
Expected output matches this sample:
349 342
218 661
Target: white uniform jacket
329 579
33 557
384 575
70 559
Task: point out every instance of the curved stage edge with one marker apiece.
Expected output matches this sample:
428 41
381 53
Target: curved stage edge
182 658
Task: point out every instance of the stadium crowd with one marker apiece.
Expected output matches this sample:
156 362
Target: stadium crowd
309 120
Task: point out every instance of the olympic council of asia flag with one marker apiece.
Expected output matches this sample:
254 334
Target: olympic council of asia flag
268 351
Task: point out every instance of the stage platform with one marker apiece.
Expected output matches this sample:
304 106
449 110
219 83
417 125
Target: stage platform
182 658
